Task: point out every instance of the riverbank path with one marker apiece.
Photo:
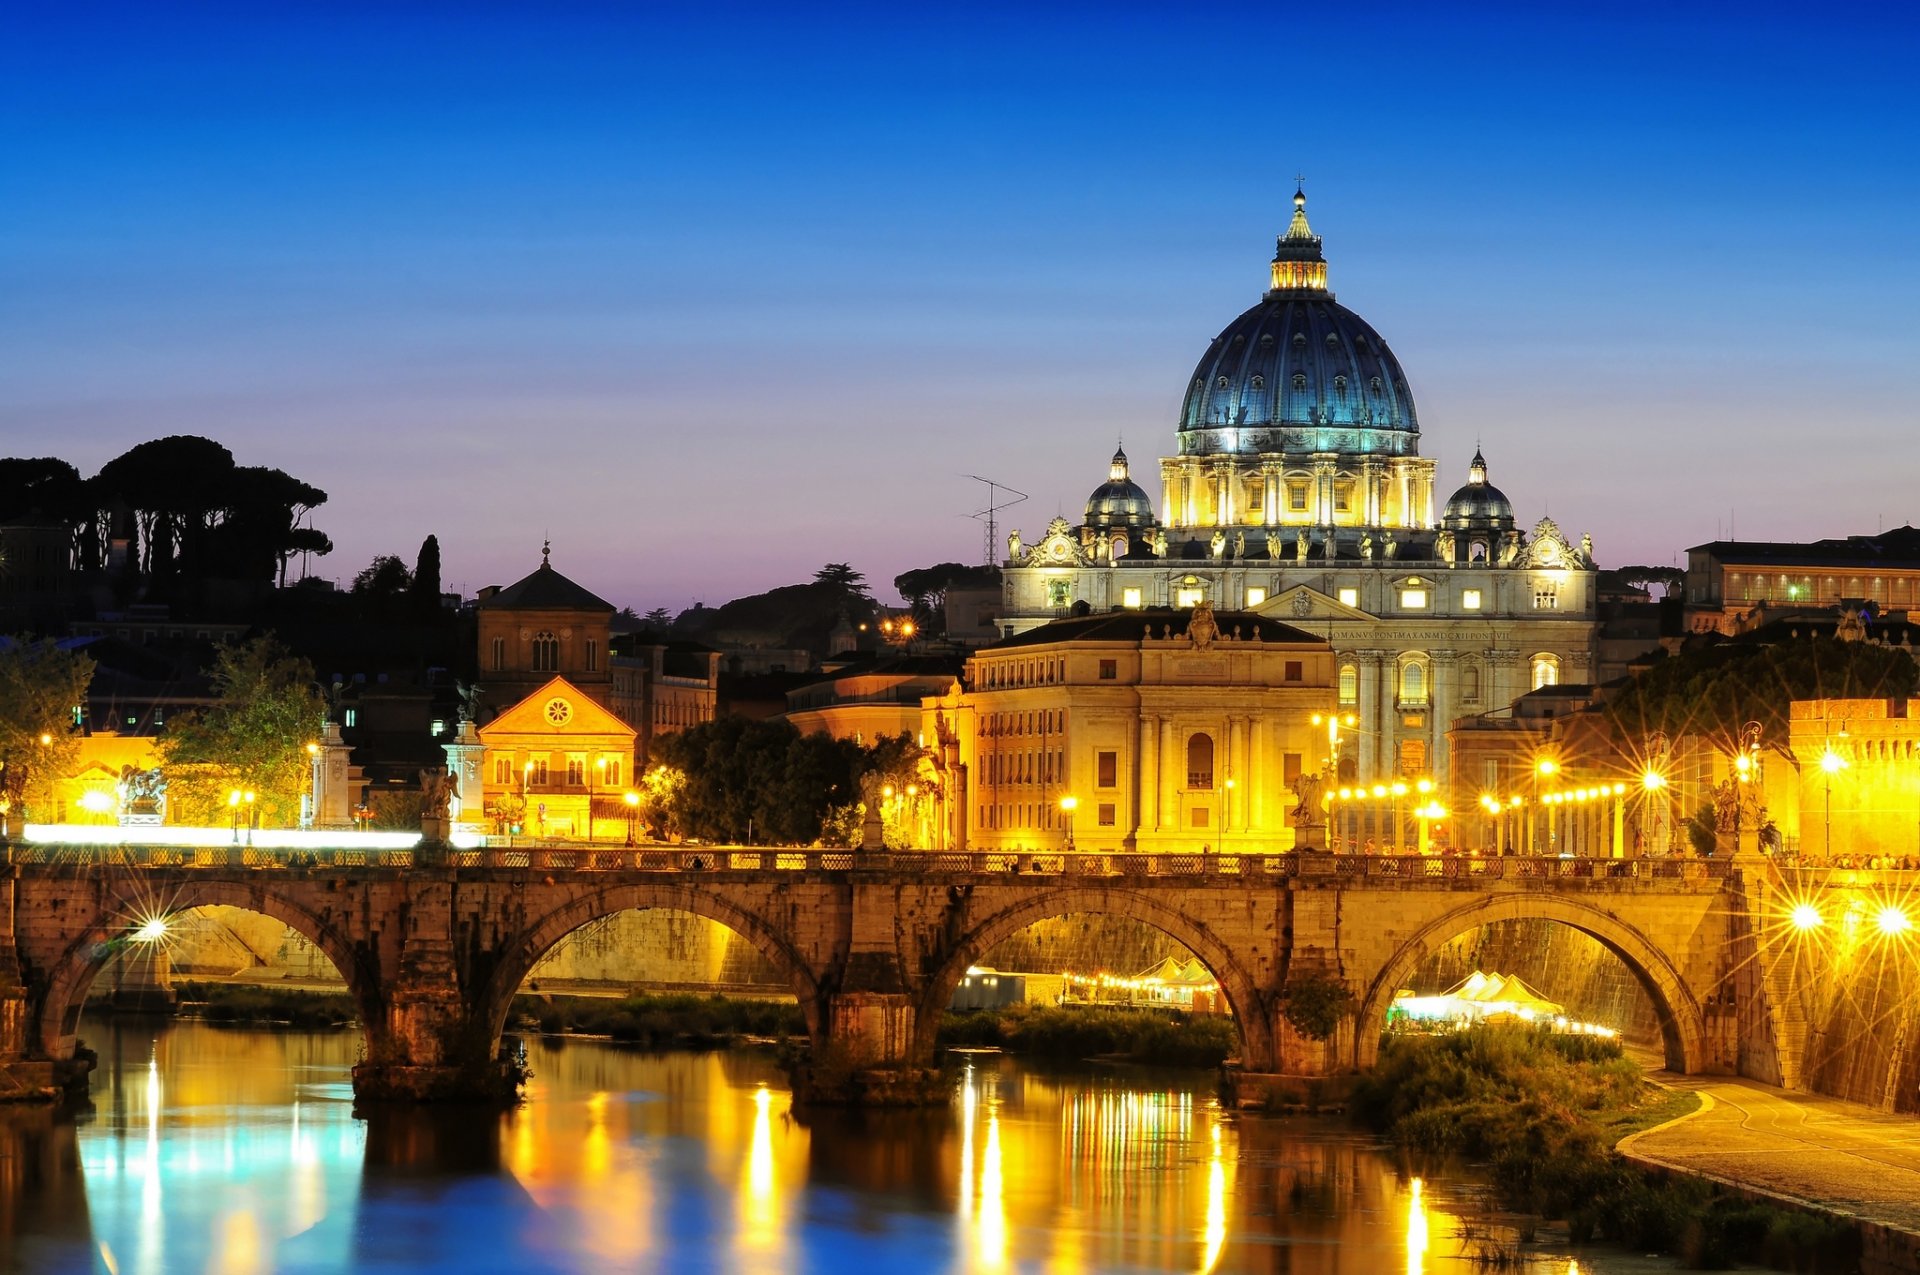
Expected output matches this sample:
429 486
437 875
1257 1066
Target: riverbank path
1812 1149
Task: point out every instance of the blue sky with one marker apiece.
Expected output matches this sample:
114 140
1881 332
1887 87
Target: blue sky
713 295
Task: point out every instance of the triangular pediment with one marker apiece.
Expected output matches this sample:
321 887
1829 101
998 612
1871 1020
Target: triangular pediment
1291 606
558 708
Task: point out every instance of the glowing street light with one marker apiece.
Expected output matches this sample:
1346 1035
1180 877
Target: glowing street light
1068 805
1831 764
632 799
1892 921
152 930
1806 917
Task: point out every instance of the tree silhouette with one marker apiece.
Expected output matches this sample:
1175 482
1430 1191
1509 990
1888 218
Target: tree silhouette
425 587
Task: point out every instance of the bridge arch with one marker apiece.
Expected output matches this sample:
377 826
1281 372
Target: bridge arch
1257 1047
520 956
1683 1030
72 973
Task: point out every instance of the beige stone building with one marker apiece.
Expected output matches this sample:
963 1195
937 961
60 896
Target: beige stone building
1154 730
555 765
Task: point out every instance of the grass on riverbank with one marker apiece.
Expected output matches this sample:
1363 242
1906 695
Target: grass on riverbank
658 1021
1070 1033
252 1005
1543 1112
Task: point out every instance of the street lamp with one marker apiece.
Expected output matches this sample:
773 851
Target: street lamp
633 808
1832 763
1398 790
1067 806
1543 768
233 811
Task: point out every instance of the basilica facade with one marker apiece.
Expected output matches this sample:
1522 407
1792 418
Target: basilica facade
1297 492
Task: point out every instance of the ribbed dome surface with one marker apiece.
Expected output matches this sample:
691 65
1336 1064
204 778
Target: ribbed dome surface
1299 361
1478 506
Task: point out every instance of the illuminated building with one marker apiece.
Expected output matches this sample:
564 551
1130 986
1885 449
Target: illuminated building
1156 730
1298 493
549 758
1737 585
545 625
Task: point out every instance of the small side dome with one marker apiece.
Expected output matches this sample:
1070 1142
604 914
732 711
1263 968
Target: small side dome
1478 506
1119 502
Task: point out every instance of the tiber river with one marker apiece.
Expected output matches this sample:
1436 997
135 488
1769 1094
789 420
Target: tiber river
233 1150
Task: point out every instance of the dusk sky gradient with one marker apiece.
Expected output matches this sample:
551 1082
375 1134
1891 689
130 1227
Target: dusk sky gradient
714 295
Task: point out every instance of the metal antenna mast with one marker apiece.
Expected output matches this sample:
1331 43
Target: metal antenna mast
990 515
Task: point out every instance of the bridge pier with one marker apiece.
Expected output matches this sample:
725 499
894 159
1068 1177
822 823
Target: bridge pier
433 1043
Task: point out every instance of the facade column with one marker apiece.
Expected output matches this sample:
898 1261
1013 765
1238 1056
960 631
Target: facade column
1170 503
1384 721
1323 472
1232 775
1147 775
1171 760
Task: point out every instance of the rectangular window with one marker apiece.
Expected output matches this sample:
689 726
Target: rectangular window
1109 670
1413 599
353 715
1184 598
1349 684
1349 597
1106 814
1470 600
1107 770
1546 599
1200 816
503 771
1297 497
535 771
576 770
1342 497
1296 670
1289 767
1255 596
499 654
1130 598
593 655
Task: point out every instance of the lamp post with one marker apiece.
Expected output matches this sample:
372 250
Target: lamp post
1067 806
1832 763
1746 769
633 808
1333 722
233 810
1651 782
1544 768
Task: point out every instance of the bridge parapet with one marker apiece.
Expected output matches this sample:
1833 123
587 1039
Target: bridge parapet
757 860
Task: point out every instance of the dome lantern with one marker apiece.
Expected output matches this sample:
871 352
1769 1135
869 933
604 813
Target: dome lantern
1119 502
1298 266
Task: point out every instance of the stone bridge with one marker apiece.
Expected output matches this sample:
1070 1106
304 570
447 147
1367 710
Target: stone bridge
433 945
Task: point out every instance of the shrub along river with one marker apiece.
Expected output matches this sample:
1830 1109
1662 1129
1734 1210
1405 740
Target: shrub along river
236 1148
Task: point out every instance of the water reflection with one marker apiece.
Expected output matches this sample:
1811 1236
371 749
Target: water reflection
235 1151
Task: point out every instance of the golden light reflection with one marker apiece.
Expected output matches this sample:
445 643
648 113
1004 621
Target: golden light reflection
759 1239
239 1251
1216 1207
993 1216
1416 1229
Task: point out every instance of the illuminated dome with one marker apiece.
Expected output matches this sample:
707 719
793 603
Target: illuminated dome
1299 372
1478 506
1119 502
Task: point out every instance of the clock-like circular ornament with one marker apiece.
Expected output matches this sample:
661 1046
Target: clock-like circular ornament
559 712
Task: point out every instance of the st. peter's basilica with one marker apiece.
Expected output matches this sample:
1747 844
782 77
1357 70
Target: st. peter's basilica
1297 491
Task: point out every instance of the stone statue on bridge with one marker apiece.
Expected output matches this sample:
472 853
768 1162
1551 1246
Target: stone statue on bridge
1306 811
437 790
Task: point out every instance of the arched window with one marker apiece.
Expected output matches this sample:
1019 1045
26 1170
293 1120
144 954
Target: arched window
1546 670
1349 684
1470 683
546 652
1200 761
1413 682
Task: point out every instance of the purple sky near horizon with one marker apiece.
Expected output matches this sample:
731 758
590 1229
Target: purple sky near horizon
714 296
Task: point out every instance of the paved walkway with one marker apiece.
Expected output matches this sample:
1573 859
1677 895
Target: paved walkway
1821 1151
